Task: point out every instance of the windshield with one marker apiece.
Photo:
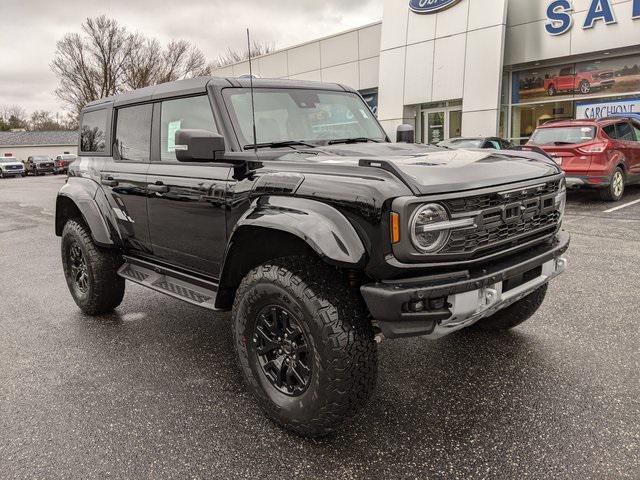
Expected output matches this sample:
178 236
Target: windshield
40 159
463 143
562 135
310 116
8 160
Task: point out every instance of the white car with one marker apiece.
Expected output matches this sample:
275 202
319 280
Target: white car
11 167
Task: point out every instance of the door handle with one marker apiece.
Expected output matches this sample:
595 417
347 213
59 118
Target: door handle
109 182
158 187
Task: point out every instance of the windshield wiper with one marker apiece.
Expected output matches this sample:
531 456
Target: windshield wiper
352 140
288 143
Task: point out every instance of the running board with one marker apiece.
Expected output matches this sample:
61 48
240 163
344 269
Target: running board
175 284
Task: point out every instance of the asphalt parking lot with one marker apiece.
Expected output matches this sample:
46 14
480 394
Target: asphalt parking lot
153 391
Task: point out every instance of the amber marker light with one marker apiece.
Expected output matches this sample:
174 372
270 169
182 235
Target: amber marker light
395 228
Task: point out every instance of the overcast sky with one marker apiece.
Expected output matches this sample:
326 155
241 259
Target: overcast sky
31 28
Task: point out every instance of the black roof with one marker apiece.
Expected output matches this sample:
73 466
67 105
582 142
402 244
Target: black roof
193 86
14 139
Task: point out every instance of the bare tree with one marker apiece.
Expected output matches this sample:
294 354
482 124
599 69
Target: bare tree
13 117
232 56
105 59
42 120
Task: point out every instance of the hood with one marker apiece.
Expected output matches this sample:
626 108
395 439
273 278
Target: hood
430 170
16 163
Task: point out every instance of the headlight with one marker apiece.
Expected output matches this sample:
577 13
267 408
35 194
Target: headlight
561 198
427 232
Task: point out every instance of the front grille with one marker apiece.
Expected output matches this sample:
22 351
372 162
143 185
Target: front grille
503 219
606 76
14 167
497 199
470 241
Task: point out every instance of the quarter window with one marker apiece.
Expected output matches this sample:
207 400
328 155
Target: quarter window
133 133
92 132
183 113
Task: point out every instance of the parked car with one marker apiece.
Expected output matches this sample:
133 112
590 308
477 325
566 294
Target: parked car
11 167
602 154
62 162
494 143
581 82
317 233
38 165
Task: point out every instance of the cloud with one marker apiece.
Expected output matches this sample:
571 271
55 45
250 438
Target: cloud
213 25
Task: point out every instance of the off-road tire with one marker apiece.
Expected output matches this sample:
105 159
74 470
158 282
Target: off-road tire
611 193
105 288
513 315
343 352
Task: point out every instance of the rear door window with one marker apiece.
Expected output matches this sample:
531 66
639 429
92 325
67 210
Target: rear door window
625 132
93 132
636 129
183 113
133 133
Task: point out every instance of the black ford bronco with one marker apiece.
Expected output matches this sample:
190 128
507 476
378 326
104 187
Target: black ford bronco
319 235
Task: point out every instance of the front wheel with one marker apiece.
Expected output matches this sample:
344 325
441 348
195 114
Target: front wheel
91 272
551 91
305 345
515 314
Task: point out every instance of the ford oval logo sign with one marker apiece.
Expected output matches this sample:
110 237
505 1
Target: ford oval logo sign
431 6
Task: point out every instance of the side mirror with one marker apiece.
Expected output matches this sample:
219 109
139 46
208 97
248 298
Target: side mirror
199 146
405 134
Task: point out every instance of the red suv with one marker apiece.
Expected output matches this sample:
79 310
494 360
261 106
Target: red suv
581 82
603 154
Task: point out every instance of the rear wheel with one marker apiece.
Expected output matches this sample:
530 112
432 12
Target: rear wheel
91 272
305 344
585 87
615 191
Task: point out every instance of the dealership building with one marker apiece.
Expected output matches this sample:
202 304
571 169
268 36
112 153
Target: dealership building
478 67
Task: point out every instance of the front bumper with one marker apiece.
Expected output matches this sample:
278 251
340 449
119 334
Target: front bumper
450 302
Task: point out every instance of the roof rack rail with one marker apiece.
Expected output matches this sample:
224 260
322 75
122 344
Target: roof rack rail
630 116
557 120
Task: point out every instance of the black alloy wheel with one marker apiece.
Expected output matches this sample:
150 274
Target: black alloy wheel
282 350
77 265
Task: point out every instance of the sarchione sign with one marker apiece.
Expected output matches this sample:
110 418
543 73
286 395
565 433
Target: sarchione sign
560 14
602 110
431 6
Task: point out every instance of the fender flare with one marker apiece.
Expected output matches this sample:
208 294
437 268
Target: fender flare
310 223
84 193
321 226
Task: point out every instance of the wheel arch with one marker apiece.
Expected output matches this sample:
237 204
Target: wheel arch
276 227
77 200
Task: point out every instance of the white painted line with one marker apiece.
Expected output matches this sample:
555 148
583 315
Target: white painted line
611 210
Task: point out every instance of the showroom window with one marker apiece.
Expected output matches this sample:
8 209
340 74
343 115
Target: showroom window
591 89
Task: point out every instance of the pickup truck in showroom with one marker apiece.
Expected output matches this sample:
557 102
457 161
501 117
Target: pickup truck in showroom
285 203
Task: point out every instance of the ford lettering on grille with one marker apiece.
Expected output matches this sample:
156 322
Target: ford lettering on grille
504 217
